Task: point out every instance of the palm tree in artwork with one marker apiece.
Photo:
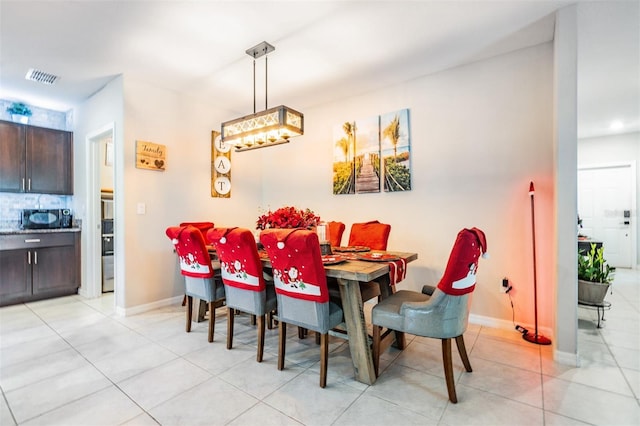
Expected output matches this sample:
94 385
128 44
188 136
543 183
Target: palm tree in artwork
392 131
349 130
343 144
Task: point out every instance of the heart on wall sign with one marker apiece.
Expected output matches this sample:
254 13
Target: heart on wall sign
151 156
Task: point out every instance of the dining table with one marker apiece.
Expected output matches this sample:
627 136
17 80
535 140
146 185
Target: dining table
349 273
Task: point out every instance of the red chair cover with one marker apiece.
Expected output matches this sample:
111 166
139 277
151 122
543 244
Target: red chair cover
371 234
239 261
192 251
336 229
460 275
202 226
298 271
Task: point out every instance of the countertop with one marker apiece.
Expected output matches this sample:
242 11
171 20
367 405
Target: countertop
14 231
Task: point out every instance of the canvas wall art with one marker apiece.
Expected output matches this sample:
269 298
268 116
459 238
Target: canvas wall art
372 153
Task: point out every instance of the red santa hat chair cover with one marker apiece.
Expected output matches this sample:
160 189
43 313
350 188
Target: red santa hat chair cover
301 288
442 315
245 287
195 266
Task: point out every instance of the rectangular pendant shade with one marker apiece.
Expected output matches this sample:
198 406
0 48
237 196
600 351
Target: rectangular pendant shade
273 126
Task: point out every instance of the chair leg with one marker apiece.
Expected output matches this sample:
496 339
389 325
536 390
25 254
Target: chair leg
189 313
261 327
448 370
302 332
318 340
282 337
376 348
230 320
324 358
270 320
212 320
253 319
462 350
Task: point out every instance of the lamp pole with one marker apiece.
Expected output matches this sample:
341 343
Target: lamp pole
534 338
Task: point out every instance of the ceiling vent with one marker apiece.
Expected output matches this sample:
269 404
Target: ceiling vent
41 76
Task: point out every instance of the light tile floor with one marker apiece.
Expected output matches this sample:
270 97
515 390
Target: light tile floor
72 361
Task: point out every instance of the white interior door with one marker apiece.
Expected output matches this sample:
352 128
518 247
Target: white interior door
605 205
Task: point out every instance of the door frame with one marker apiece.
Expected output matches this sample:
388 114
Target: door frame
635 216
93 282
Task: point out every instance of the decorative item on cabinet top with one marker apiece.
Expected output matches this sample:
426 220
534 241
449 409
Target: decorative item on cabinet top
220 167
20 113
151 156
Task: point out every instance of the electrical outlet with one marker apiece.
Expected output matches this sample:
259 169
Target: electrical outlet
504 285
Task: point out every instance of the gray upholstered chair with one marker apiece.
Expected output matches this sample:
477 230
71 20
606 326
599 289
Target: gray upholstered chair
245 287
442 315
198 272
301 288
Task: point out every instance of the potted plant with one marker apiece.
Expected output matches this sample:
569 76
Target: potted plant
20 113
594 276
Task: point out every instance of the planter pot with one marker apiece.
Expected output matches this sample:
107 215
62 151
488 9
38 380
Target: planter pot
18 118
590 293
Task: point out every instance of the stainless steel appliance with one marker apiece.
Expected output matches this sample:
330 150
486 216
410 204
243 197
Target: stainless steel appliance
106 225
46 218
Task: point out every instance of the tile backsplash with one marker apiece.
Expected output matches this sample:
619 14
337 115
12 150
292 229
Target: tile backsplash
12 204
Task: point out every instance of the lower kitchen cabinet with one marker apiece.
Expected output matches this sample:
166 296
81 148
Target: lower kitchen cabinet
38 266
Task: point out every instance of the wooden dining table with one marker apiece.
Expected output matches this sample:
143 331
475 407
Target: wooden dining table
349 275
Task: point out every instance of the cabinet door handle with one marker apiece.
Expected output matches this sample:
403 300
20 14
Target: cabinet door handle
23 184
32 240
29 189
29 257
35 257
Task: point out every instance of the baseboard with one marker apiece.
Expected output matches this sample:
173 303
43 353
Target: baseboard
506 325
566 358
138 309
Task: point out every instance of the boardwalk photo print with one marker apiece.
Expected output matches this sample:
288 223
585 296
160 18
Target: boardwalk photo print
371 151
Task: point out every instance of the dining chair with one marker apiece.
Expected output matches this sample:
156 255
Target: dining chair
336 229
372 234
301 289
195 265
442 315
245 287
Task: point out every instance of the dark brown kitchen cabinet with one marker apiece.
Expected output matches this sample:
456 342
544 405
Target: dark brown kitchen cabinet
35 159
38 266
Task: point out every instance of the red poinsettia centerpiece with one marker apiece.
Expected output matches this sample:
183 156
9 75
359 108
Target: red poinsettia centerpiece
288 217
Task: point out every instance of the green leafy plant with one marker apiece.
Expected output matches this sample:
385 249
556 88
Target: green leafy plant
593 267
19 108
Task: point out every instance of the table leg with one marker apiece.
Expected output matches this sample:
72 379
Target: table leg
386 291
201 309
357 329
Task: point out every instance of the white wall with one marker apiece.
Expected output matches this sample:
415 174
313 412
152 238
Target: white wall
479 134
103 109
181 193
615 149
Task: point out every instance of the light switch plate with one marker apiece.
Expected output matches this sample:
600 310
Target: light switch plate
142 208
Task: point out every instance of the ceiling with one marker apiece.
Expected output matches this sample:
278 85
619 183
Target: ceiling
325 50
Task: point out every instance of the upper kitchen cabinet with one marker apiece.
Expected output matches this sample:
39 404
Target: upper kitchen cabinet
35 159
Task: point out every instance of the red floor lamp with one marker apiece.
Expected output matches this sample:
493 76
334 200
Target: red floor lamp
534 338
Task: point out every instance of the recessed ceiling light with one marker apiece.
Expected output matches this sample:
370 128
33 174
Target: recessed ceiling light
40 76
616 125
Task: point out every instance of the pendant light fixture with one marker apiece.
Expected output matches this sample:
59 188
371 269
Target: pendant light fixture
273 126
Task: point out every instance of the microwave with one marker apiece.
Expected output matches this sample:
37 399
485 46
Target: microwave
46 218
